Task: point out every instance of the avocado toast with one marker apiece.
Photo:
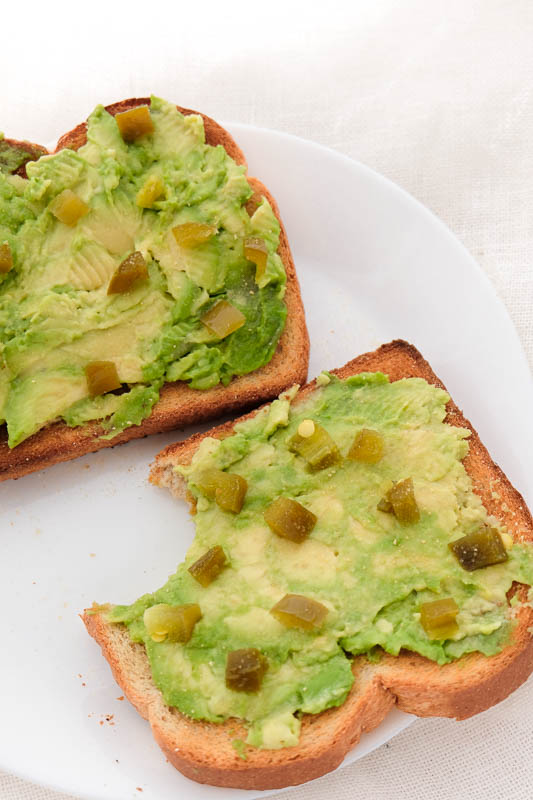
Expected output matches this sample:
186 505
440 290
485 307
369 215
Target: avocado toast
396 660
70 223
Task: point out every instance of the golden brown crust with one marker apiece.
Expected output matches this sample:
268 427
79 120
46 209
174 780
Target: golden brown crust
178 405
204 751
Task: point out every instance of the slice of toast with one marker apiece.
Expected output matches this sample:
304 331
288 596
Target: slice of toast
204 752
178 404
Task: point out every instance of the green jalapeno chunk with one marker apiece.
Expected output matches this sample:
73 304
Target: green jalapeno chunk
400 500
6 258
438 618
255 250
289 519
134 123
209 566
297 611
223 319
192 234
367 447
164 622
102 377
227 488
483 548
245 669
131 270
314 444
68 208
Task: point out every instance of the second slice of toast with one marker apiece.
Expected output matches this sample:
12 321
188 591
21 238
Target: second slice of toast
205 751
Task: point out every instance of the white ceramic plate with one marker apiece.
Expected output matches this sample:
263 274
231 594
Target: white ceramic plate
374 265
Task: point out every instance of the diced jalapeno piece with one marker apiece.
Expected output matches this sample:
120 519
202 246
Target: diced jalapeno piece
6 258
223 319
245 669
479 549
230 495
289 519
297 611
134 123
152 189
192 234
101 377
367 447
255 250
226 488
438 618
315 445
209 480
209 566
400 501
171 623
68 208
132 269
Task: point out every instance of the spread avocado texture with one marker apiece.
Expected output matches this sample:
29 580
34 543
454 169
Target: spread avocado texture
70 231
360 575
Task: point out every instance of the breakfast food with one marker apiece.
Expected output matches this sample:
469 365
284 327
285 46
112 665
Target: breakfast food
138 266
356 548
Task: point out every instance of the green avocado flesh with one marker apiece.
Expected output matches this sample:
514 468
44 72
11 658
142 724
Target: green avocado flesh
55 314
371 572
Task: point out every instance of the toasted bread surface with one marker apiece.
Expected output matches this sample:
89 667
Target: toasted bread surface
178 405
204 751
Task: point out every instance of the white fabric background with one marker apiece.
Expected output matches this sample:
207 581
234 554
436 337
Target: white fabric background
435 95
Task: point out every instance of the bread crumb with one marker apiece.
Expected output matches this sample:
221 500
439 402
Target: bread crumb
121 697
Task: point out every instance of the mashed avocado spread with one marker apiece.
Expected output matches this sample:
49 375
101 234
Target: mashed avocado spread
56 315
372 573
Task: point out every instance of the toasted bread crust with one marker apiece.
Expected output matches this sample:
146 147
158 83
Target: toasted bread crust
204 752
179 405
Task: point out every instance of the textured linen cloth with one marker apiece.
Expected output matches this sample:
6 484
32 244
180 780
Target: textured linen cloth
438 97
